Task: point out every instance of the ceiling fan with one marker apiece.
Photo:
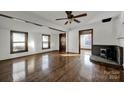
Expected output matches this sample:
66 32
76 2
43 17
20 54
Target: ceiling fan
70 17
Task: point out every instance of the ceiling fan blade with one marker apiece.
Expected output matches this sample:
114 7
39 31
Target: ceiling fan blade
81 15
76 20
61 18
66 23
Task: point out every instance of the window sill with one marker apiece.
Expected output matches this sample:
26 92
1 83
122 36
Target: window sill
19 52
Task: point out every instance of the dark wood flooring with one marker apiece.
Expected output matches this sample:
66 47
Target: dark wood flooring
57 67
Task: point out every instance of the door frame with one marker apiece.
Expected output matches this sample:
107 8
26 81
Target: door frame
80 33
60 42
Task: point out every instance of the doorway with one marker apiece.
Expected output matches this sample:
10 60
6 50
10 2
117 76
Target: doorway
62 42
85 39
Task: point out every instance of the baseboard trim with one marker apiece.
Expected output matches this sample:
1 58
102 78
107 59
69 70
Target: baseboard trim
72 53
30 55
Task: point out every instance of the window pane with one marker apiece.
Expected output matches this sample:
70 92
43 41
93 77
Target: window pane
18 46
86 41
45 38
18 37
45 45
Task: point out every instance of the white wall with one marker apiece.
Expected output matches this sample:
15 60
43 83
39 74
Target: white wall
103 34
73 41
34 43
34 34
120 32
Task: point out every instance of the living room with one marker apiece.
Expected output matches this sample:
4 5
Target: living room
47 46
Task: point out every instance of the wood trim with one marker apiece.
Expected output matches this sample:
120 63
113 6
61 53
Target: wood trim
85 32
29 22
56 29
72 53
49 41
26 21
120 38
84 49
11 41
80 32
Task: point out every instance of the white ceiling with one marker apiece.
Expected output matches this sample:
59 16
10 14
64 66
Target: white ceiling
92 16
48 18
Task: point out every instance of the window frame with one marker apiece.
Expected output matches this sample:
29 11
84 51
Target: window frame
11 41
49 37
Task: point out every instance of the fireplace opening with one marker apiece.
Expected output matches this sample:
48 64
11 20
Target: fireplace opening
103 52
107 53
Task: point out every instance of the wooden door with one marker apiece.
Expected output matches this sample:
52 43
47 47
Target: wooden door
62 42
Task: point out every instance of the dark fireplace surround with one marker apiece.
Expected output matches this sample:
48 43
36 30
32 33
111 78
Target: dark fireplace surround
110 52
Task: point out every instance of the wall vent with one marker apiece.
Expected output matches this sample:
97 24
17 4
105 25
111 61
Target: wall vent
106 20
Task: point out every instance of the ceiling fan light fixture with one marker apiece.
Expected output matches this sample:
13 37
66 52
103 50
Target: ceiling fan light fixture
70 17
71 20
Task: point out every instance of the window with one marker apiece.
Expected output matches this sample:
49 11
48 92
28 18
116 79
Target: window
19 41
45 41
86 41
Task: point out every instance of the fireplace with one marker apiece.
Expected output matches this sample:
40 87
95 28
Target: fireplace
109 52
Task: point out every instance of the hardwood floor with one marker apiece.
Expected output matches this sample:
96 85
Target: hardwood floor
57 67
